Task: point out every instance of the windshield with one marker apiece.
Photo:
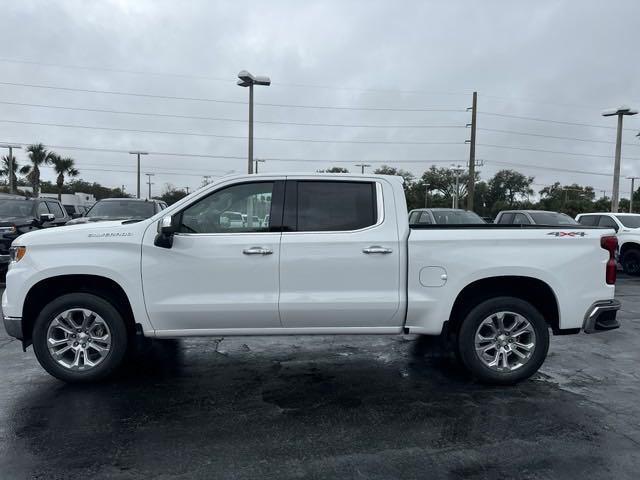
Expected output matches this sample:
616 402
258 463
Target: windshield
552 218
15 208
122 209
629 221
456 217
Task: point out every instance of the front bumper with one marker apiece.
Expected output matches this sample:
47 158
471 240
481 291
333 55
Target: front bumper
601 316
13 326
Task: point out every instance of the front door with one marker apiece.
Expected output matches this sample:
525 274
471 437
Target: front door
340 263
222 270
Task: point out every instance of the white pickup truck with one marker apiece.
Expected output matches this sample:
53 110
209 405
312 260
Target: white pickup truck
336 255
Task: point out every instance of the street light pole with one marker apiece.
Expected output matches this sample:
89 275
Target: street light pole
426 194
457 170
138 153
619 112
11 159
258 160
249 80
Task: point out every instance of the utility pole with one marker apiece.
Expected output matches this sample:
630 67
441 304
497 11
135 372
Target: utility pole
186 190
457 170
633 179
619 112
149 175
138 153
122 189
472 153
11 160
362 166
426 194
258 160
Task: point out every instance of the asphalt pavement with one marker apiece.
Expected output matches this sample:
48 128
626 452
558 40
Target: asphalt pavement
369 407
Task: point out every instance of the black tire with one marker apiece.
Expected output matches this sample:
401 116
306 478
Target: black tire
467 336
631 262
111 316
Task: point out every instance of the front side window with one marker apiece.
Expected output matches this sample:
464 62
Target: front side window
521 219
239 208
55 209
589 220
506 218
42 208
608 222
425 218
335 206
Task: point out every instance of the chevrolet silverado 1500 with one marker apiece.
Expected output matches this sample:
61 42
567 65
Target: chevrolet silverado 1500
334 254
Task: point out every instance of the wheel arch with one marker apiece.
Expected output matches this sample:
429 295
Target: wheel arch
44 291
533 290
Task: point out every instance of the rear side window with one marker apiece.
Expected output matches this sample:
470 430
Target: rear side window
608 222
56 209
589 220
521 219
506 218
335 206
425 218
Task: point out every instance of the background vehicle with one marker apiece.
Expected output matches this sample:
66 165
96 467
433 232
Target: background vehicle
534 217
443 216
121 209
338 257
627 227
20 215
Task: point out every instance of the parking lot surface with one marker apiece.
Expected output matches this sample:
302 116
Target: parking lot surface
328 407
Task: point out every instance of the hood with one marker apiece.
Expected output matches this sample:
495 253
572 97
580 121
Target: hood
85 233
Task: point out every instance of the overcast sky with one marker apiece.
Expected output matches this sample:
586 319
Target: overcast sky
551 60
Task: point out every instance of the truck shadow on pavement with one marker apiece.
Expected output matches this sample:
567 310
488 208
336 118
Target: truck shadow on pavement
330 407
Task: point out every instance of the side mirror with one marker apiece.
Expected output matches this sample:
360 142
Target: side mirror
47 217
167 226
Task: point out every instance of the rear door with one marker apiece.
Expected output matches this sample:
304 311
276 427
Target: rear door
339 255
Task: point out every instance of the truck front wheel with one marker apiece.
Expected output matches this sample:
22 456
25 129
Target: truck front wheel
80 337
503 340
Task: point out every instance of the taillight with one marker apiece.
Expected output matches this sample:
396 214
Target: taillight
610 244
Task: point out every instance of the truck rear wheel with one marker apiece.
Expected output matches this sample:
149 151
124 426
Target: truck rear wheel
503 340
80 337
631 262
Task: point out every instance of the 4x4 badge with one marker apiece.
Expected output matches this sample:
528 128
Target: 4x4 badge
567 234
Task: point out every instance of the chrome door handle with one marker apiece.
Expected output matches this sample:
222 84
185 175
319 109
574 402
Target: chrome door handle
257 251
376 249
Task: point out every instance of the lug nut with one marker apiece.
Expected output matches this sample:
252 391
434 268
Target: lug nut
75 344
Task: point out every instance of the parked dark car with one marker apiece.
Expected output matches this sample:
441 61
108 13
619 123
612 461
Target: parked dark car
121 209
443 216
75 211
20 215
534 217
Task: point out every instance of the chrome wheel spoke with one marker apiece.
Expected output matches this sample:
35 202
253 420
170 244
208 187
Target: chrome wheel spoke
505 341
57 342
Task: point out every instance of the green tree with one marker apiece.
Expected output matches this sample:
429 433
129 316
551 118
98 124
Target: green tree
411 192
570 199
95 189
334 170
171 194
63 166
4 169
39 156
508 189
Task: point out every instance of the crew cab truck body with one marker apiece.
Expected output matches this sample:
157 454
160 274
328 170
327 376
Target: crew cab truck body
337 257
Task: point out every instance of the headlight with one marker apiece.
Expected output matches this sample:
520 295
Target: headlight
11 229
16 253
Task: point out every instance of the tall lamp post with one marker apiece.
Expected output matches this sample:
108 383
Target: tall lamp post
11 159
258 160
620 112
457 170
249 80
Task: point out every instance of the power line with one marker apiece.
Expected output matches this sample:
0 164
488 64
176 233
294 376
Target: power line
547 120
439 108
528 149
220 119
512 132
237 137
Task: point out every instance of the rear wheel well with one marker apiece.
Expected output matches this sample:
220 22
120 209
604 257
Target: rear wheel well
627 247
47 290
531 290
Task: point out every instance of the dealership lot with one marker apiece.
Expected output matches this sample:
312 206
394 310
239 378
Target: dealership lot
328 407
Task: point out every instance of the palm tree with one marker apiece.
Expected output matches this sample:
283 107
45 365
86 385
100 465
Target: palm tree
63 166
4 169
39 156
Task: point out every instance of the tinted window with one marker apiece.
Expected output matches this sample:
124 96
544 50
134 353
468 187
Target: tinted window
608 222
42 208
233 209
16 208
56 209
413 217
552 218
506 218
425 218
122 209
455 217
335 206
521 219
71 209
589 220
629 221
